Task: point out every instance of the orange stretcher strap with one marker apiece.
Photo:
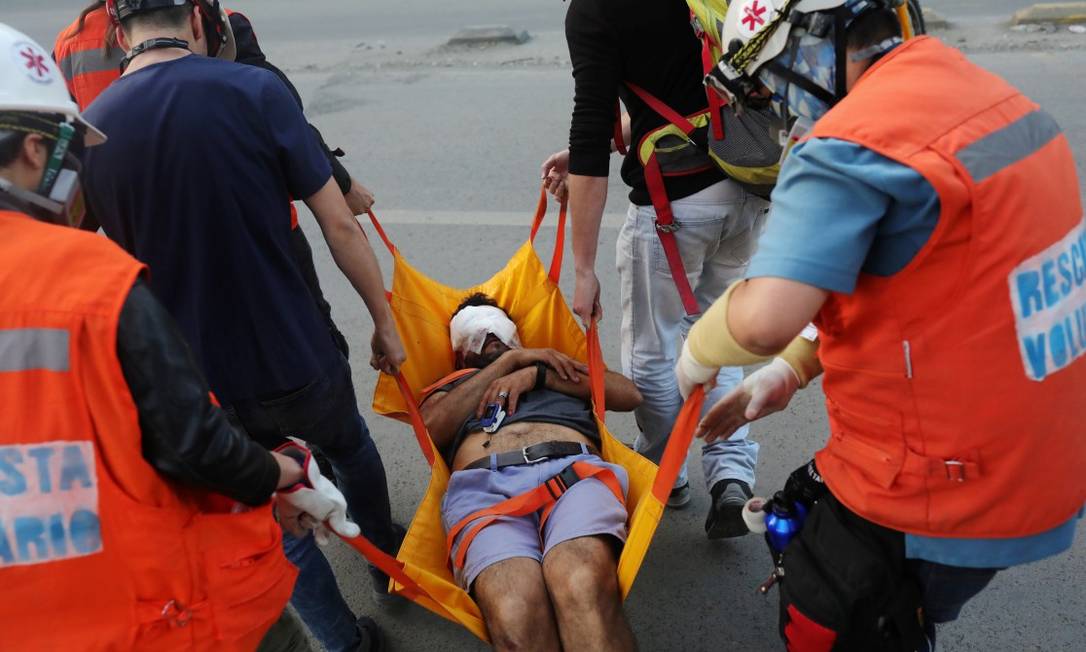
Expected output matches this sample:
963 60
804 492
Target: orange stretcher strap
381 232
417 424
555 271
543 497
682 433
596 370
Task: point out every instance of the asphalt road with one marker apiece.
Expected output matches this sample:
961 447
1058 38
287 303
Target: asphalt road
451 142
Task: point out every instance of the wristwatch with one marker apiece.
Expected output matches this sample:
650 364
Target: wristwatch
540 375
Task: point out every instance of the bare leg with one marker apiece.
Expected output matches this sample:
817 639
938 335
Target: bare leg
582 579
516 606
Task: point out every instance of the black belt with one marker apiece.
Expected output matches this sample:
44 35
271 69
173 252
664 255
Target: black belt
532 454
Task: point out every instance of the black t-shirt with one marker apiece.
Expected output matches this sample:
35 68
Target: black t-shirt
196 179
534 406
649 43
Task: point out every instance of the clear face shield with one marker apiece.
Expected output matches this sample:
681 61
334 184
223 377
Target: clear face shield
797 60
802 79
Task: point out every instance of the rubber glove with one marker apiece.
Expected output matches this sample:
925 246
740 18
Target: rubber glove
314 501
767 390
690 373
771 388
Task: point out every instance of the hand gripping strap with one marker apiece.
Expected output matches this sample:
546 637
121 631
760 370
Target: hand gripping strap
543 497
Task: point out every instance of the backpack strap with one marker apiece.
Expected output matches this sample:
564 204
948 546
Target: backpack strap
620 143
716 103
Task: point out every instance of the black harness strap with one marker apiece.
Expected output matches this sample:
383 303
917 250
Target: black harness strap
153 44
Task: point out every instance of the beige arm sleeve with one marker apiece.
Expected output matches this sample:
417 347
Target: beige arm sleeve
710 342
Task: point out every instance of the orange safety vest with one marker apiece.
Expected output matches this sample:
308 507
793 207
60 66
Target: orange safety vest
97 550
83 60
955 387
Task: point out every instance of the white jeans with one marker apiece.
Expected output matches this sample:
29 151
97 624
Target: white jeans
718 228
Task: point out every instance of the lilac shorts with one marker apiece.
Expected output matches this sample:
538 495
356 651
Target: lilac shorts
588 508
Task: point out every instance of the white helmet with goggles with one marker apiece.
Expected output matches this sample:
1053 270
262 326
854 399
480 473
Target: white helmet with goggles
34 100
794 48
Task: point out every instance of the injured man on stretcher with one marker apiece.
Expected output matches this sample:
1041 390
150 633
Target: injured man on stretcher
517 429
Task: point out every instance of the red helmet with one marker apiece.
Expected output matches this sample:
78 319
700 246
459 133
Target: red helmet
220 38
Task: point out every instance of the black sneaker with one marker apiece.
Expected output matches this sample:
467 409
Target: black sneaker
381 596
372 639
725 518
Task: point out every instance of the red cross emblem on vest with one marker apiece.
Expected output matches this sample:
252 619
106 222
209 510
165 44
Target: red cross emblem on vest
752 15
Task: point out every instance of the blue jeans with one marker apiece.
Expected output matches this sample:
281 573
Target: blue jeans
944 591
717 231
325 415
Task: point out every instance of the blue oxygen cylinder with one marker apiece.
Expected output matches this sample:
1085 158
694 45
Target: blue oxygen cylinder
783 522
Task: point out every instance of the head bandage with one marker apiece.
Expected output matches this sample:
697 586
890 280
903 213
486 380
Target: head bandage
471 326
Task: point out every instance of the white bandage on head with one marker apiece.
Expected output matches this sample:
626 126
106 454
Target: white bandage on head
471 326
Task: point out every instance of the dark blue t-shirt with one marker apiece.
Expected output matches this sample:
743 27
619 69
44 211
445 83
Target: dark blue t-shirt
196 179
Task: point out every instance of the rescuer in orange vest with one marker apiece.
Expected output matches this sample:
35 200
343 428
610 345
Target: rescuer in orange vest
930 226
90 62
132 514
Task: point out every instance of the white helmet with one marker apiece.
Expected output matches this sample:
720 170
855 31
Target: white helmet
794 48
30 81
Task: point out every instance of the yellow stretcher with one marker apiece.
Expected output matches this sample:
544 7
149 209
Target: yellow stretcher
530 294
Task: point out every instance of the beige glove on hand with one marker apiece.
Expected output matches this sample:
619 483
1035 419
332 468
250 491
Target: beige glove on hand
312 502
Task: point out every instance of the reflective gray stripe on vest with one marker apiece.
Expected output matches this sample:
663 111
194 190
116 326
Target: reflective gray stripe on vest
94 60
1009 145
27 349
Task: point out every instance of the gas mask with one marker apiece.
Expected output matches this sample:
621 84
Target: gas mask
59 196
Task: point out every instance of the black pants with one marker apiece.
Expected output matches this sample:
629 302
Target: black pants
303 258
848 586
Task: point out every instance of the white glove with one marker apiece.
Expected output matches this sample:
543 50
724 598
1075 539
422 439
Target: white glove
764 392
310 503
691 373
771 388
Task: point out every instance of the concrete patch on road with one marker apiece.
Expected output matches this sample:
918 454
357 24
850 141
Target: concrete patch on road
1064 13
485 35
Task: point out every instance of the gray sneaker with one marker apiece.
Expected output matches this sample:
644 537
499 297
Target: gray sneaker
725 518
679 496
381 596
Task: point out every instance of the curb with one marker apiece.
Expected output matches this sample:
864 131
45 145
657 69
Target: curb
1063 13
488 35
934 20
